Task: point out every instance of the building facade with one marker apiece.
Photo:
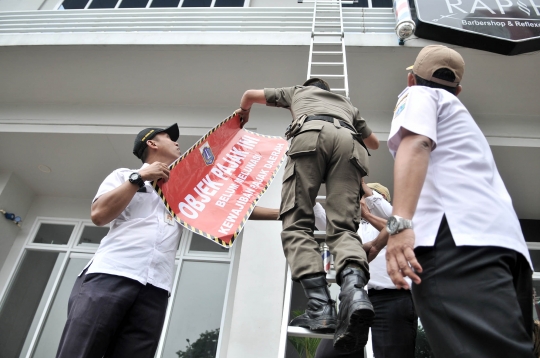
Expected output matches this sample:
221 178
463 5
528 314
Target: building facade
79 79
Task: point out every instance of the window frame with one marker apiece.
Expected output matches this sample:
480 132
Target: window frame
148 4
72 250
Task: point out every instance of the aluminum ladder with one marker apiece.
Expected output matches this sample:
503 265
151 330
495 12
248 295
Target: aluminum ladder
327 57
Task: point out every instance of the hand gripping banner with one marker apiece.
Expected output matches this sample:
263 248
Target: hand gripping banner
214 186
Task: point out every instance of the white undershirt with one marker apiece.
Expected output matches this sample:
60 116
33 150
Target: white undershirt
462 179
140 244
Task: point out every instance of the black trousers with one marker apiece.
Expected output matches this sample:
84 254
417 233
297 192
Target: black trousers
393 331
395 324
474 301
112 316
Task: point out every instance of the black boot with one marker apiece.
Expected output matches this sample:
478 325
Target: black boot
355 311
320 314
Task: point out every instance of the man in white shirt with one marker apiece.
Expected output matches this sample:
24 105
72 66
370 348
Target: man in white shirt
118 303
464 249
395 323
117 306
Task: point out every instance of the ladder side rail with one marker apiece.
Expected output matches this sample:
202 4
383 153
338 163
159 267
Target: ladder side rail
312 40
346 77
287 297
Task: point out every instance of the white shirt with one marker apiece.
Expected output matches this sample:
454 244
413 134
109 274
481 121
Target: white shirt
462 179
140 244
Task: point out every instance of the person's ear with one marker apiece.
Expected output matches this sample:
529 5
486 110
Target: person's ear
458 89
411 80
151 144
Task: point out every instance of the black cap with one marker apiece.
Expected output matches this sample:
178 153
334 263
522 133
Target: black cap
148 133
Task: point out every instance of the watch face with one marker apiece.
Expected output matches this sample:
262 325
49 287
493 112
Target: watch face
392 224
134 176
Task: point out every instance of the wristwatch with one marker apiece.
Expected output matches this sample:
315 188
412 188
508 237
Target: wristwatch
135 178
396 224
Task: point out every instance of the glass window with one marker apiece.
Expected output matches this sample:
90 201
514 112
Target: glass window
57 234
229 3
56 318
21 307
535 258
92 235
73 4
103 4
133 4
382 3
199 243
360 3
196 3
197 310
165 3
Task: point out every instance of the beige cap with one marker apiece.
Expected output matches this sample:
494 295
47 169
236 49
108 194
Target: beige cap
433 57
381 189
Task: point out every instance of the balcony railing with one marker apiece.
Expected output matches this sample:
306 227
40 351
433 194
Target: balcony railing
255 20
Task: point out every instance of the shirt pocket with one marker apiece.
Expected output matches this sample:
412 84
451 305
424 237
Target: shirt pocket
306 141
140 206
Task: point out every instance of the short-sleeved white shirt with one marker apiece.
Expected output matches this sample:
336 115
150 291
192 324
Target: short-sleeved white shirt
141 244
462 179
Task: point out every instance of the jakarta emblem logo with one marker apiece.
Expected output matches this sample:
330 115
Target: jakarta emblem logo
207 154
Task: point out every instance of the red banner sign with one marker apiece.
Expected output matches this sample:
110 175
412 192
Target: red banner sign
214 186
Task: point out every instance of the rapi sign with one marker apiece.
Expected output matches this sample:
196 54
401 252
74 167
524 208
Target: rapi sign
508 27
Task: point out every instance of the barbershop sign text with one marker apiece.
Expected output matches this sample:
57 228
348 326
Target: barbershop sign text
507 27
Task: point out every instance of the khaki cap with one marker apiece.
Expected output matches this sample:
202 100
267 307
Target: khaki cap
434 57
381 189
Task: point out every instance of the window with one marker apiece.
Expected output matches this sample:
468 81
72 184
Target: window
134 4
33 309
371 3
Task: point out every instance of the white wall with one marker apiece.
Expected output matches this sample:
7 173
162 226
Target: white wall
15 197
18 5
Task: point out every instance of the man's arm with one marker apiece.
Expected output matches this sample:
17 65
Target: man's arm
410 169
377 222
250 96
262 213
375 246
108 206
372 142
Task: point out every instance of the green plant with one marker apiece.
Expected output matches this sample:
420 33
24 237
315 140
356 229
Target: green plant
422 350
306 347
204 347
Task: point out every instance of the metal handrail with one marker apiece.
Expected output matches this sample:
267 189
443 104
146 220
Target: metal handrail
292 19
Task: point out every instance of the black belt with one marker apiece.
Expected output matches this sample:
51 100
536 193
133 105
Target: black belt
331 120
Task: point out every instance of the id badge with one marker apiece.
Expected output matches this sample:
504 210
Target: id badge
169 218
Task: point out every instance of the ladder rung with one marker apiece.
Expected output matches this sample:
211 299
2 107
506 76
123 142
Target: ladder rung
319 33
335 43
327 53
327 64
329 76
327 17
304 332
339 90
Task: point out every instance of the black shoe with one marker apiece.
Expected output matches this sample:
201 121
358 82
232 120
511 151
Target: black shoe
355 312
321 314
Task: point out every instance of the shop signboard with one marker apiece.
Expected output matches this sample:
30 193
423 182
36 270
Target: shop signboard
508 27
